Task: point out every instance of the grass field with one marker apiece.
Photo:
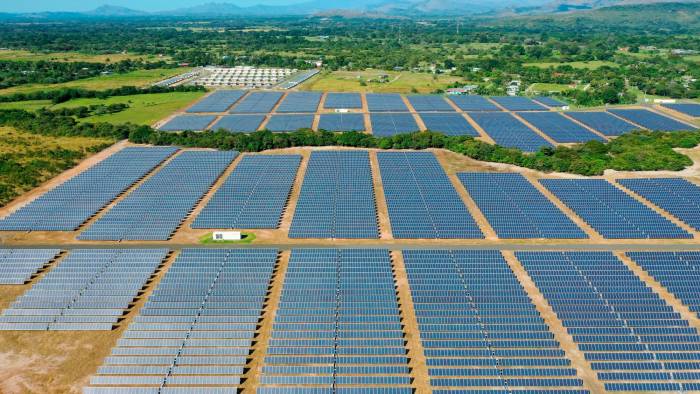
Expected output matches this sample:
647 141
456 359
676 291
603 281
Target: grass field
590 65
135 78
20 55
399 82
547 87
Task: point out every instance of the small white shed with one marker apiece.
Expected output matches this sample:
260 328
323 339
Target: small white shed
227 236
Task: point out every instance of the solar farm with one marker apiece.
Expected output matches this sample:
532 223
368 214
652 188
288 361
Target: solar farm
364 270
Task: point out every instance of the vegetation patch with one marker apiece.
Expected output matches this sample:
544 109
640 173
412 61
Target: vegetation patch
208 239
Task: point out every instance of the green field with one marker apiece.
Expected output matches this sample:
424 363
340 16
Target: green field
246 239
135 78
20 55
31 105
547 87
590 65
398 82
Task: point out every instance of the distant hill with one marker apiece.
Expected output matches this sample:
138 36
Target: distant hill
112 10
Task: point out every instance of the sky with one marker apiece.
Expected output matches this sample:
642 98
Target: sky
142 5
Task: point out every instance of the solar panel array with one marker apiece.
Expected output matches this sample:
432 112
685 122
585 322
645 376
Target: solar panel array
473 103
385 102
631 337
253 196
422 201
188 122
218 101
195 332
343 100
603 122
239 123
550 101
338 326
518 103
651 120
388 124
297 79
610 211
429 103
449 124
337 198
559 128
67 206
676 196
515 208
508 131
89 290
678 272
342 122
690 109
17 266
300 102
287 123
257 103
479 328
156 208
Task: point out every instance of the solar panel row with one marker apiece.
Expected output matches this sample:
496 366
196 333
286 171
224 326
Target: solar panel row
300 102
343 101
342 122
156 208
449 124
388 124
257 103
473 103
603 122
550 101
651 120
239 123
196 330
67 206
89 290
188 122
288 123
218 101
385 102
518 103
253 196
17 266
559 128
508 131
429 103
690 109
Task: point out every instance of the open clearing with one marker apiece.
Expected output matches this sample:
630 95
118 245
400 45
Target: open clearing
20 55
398 82
590 65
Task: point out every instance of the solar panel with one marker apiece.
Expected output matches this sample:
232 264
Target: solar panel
18 266
515 208
342 122
254 195
188 122
337 197
559 128
287 123
257 103
156 208
518 103
385 102
550 101
201 355
448 123
429 103
473 103
239 123
677 196
300 102
219 101
421 200
67 206
603 122
388 124
508 131
651 120
479 328
299 78
610 211
343 100
690 109
89 289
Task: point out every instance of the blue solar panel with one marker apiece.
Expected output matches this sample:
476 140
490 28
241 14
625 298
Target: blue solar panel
676 196
550 101
343 100
239 123
610 211
387 124
385 102
254 195
188 122
342 122
448 123
429 103
67 206
156 208
473 103
337 198
508 131
603 122
421 200
298 78
478 327
651 120
218 101
286 123
300 102
515 208
518 103
559 128
257 103
17 266
690 109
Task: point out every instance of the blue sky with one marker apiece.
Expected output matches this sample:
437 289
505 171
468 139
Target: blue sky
144 5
